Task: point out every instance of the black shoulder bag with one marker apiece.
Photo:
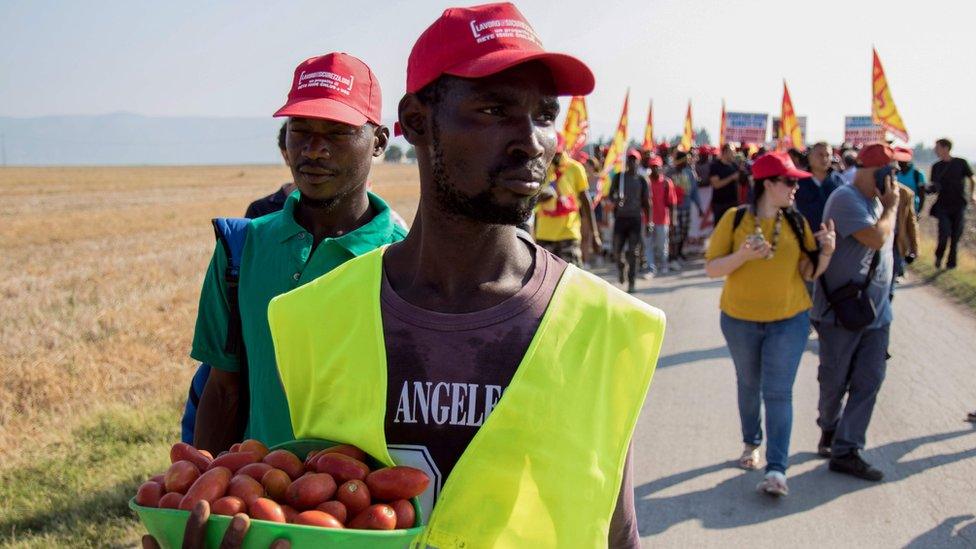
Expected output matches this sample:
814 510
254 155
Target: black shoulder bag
853 308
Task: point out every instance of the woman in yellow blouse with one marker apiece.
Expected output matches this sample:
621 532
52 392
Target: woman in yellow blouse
765 305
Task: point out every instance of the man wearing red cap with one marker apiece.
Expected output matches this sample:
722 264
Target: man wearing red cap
333 133
852 309
564 217
630 201
663 200
464 311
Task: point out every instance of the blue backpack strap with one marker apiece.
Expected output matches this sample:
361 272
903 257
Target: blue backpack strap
231 232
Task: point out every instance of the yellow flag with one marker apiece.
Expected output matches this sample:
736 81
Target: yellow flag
615 154
721 128
577 126
648 143
790 135
688 138
883 110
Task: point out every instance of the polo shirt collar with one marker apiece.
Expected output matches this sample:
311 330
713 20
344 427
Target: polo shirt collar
364 239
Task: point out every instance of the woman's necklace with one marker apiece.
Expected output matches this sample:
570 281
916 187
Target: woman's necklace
776 229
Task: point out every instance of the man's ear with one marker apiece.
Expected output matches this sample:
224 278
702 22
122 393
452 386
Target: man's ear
381 138
414 117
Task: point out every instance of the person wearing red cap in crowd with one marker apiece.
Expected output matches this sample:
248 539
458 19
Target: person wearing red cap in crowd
765 250
564 222
910 176
704 161
949 176
664 198
724 175
629 200
463 310
852 309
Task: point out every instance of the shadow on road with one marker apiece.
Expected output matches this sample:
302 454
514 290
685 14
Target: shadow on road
734 502
668 289
943 536
685 357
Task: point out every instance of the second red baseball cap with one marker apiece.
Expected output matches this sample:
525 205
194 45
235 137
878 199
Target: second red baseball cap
777 164
483 40
335 86
876 155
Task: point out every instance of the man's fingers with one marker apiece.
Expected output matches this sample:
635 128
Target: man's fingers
234 536
281 544
195 535
149 542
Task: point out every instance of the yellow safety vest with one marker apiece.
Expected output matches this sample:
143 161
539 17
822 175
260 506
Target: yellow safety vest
544 470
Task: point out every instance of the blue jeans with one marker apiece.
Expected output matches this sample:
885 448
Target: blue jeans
767 356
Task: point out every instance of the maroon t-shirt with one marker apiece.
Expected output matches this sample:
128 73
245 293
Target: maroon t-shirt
446 372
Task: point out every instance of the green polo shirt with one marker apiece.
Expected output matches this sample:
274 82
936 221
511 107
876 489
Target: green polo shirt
277 258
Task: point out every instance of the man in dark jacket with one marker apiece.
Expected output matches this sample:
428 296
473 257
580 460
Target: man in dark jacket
811 196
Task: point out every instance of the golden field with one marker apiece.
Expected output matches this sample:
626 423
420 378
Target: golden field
100 277
100 273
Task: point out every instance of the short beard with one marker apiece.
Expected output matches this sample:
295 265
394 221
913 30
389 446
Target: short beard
481 207
320 204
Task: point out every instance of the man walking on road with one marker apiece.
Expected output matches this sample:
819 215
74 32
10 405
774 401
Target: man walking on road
949 177
630 199
724 178
464 310
854 331
812 194
564 221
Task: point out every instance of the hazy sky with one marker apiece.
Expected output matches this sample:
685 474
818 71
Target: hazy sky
236 58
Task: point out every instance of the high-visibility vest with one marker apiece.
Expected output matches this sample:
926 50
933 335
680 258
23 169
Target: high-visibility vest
544 469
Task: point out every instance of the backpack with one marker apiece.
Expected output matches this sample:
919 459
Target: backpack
795 220
231 233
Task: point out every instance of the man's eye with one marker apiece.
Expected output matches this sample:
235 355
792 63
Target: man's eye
493 110
547 117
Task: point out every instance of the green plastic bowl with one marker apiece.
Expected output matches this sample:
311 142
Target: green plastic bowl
167 525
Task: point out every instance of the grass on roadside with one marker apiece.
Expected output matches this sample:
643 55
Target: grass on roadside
76 494
959 283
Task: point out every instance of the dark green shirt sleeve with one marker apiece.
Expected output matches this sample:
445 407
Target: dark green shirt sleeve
213 315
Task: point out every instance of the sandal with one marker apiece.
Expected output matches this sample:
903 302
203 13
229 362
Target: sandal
774 484
749 460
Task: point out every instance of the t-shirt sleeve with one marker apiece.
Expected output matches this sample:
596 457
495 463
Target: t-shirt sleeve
580 183
720 244
967 170
850 214
809 242
213 316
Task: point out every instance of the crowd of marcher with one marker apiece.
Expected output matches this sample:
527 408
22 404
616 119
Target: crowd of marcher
323 316
851 225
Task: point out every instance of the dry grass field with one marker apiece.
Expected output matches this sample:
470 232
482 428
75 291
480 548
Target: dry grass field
100 272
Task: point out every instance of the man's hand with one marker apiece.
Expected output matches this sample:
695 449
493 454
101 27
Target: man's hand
195 535
826 237
891 195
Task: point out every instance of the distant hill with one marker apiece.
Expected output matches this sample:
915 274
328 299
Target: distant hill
127 139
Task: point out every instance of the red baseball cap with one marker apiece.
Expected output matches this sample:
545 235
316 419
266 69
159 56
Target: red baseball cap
876 155
776 164
905 151
634 153
334 86
657 161
483 40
